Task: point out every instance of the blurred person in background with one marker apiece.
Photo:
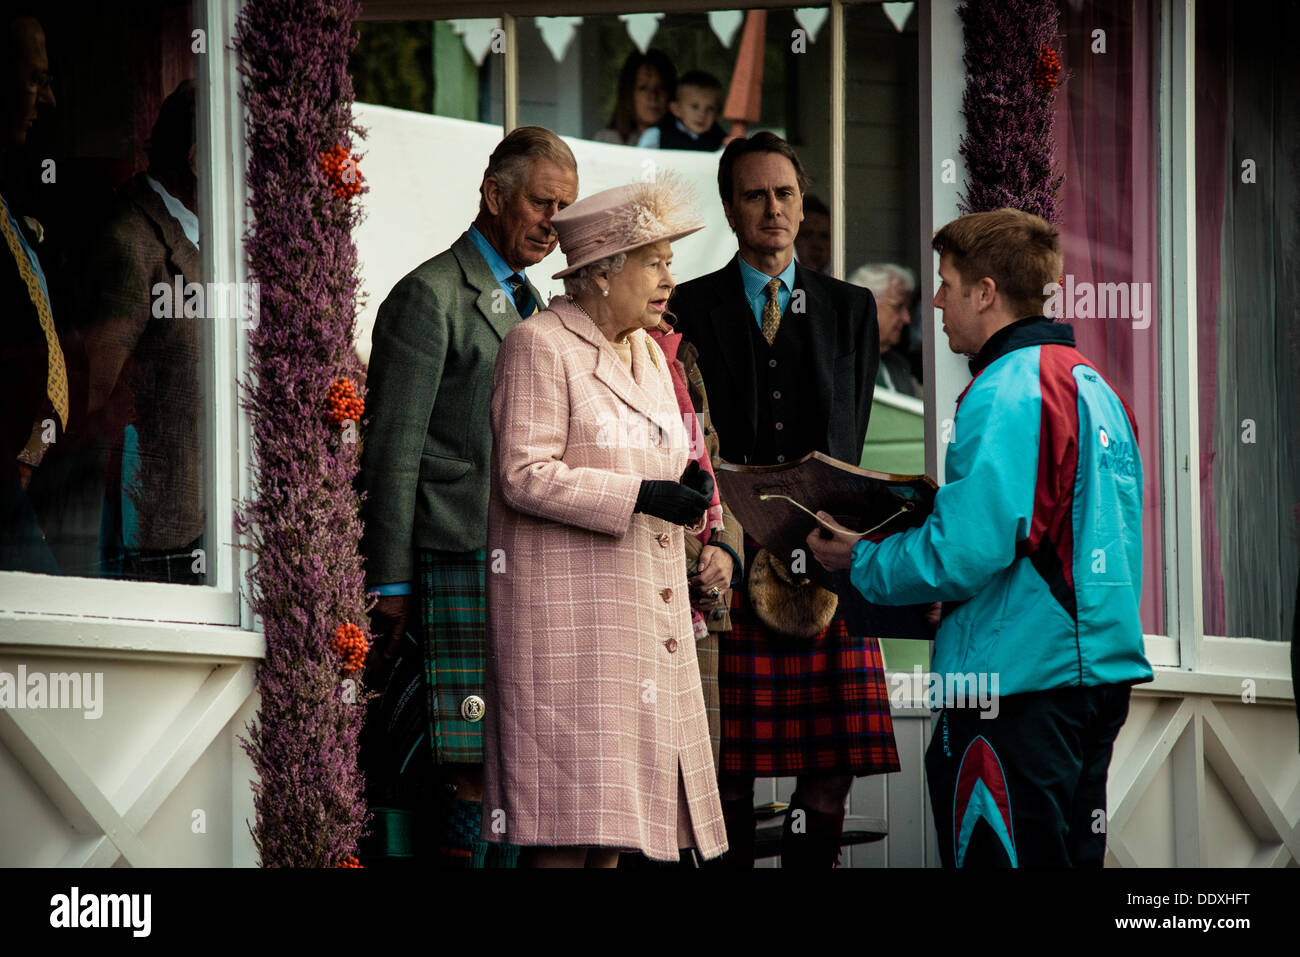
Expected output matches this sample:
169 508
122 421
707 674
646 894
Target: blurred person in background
691 122
893 286
646 85
812 247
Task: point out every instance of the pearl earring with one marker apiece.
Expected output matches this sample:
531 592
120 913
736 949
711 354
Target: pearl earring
604 292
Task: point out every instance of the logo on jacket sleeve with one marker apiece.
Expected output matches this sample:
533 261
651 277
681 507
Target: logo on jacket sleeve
1117 456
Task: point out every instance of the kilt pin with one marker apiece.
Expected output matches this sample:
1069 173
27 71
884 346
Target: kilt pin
453 610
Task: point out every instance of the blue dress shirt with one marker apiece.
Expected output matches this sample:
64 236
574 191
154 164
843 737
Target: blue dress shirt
500 268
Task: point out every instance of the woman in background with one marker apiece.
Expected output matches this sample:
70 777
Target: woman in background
646 85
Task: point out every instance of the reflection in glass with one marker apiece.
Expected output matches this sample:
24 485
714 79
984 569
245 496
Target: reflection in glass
1105 145
101 182
1248 344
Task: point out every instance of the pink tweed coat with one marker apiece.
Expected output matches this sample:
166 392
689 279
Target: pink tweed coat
595 708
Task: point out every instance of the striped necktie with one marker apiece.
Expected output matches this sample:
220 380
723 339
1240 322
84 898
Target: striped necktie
524 303
772 311
56 376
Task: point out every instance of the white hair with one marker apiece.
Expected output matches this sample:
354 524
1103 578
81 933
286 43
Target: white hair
879 276
583 282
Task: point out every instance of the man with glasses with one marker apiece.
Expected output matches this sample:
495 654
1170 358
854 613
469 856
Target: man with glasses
893 287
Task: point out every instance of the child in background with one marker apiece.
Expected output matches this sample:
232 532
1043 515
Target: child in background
691 123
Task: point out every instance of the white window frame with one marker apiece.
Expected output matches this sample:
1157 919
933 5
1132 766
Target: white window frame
30 601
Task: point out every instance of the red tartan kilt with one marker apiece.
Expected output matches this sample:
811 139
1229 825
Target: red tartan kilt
796 705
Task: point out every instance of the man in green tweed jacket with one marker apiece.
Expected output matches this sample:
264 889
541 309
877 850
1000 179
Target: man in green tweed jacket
424 470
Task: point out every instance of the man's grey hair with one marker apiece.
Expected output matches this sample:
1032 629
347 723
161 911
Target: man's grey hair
879 276
512 157
583 282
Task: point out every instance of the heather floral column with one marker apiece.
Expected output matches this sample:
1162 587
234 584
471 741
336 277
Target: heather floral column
1011 75
302 522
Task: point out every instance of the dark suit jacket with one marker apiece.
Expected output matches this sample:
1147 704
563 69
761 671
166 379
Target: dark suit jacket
714 315
428 441
155 361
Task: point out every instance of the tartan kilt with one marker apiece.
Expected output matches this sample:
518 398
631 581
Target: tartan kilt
453 613
793 706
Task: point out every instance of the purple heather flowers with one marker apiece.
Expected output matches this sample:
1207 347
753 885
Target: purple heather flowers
302 521
1008 144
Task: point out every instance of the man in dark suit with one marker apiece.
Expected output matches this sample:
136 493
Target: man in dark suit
144 362
424 464
791 355
32 367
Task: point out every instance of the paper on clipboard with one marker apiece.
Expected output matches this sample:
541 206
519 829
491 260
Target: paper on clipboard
776 504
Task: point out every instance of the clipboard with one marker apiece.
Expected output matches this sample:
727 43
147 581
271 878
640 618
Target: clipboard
775 504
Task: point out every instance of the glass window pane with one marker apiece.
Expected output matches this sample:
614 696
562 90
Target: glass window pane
1248 348
586 78
419 159
447 68
882 209
103 467
430 96
1105 148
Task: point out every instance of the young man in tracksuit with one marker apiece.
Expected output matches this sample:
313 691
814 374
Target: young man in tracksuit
1035 548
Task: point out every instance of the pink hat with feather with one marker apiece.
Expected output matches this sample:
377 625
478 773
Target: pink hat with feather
621 219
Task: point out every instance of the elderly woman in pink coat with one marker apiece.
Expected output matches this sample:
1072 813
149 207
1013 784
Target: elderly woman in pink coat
598 741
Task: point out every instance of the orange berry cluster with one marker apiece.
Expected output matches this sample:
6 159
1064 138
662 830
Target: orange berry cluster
342 171
1048 70
342 403
351 645
348 861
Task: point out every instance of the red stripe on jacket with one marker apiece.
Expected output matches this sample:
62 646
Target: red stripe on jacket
1058 456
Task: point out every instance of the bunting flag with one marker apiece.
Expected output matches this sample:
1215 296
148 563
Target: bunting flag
641 27
898 14
476 35
725 23
557 34
745 98
811 19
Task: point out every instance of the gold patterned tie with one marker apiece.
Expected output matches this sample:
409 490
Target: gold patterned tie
56 377
772 311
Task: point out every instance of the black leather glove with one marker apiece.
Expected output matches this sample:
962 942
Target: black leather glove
696 478
681 503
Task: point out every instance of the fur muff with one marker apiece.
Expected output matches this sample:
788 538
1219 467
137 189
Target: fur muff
786 603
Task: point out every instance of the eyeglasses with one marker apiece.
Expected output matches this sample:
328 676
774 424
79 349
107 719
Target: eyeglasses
41 81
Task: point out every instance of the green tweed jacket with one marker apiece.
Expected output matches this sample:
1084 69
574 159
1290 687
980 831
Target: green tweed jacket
428 440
